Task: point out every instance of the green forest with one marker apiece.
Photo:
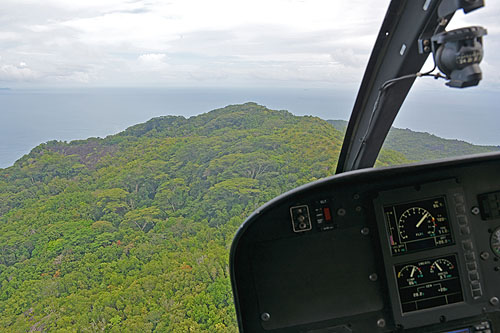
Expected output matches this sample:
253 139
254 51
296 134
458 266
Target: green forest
420 146
131 233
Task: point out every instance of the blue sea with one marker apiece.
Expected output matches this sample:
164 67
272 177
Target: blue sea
29 117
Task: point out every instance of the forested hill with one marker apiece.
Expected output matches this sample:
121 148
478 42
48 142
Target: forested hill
131 233
418 146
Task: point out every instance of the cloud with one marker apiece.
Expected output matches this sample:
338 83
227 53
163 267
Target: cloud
20 72
348 57
114 42
8 36
192 40
152 61
74 77
152 58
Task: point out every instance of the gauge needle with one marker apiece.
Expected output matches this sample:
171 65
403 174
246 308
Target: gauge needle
412 271
422 219
439 267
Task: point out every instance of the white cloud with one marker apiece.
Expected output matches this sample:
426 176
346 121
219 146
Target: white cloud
80 77
347 57
152 57
41 28
8 36
70 5
152 61
17 73
145 31
111 42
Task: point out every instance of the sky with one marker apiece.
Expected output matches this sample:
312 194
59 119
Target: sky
221 43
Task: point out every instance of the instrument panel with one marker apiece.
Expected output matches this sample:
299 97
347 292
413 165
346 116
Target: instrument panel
421 229
428 283
416 226
403 249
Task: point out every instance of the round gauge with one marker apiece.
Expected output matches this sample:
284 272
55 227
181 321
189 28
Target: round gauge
442 268
495 242
410 274
416 223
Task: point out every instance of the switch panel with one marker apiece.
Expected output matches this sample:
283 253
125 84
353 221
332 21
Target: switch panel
490 205
300 218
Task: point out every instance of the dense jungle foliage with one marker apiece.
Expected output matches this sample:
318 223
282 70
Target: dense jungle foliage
131 233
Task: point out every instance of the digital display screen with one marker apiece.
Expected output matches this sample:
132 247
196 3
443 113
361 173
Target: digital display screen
428 283
463 330
418 225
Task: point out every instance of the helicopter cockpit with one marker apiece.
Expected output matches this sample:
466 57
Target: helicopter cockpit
412 248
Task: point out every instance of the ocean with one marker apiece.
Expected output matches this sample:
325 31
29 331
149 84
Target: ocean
29 117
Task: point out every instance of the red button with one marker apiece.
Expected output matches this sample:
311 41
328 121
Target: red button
326 213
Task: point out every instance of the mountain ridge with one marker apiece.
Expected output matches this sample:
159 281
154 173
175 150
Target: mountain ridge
413 145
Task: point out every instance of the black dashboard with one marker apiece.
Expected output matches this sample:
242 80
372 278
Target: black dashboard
410 248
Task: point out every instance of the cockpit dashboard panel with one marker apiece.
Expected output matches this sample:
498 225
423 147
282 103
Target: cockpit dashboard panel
410 248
